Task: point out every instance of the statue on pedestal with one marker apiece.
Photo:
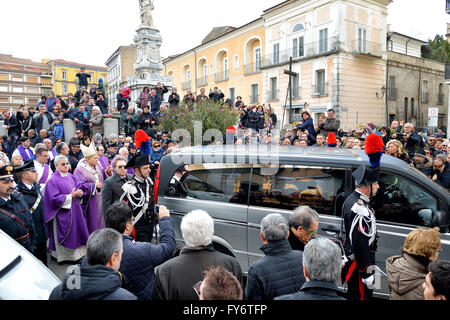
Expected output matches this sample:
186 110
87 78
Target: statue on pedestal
146 12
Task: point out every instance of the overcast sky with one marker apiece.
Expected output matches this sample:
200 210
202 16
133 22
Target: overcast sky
89 31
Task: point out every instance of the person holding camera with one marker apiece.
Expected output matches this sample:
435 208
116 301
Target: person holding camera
409 139
189 98
307 124
174 98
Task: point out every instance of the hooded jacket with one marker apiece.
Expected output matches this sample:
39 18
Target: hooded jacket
91 283
406 276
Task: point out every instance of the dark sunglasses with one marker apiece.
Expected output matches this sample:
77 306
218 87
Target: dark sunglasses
121 167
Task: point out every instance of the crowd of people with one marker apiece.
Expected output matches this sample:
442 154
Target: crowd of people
90 202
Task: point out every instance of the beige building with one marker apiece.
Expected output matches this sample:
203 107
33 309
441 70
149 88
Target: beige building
22 82
228 58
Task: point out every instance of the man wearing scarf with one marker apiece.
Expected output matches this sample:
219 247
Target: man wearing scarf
89 178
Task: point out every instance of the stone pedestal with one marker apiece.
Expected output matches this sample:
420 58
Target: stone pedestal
148 63
69 129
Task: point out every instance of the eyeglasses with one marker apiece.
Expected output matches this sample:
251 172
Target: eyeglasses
157 146
312 233
121 167
65 164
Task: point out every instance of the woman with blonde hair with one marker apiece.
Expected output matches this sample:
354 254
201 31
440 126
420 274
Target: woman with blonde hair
395 149
407 273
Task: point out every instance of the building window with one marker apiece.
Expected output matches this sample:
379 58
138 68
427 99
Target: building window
17 78
32 90
64 75
362 40
297 28
65 89
211 70
320 83
276 53
273 93
225 69
425 91
4 77
296 86
205 73
236 62
323 40
412 107
232 94
254 95
19 100
392 90
258 59
4 88
17 89
298 47
441 94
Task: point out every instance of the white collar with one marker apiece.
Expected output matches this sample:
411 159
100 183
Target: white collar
363 196
28 186
6 199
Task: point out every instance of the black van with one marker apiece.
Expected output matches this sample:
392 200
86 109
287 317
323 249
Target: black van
239 185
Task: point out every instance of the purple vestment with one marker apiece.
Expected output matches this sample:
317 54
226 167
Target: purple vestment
92 199
70 224
104 164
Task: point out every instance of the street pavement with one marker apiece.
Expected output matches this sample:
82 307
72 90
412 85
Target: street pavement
58 269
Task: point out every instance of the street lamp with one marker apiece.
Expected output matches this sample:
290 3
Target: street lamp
383 90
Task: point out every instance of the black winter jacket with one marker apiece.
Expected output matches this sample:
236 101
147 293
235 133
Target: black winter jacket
315 290
95 283
279 273
176 278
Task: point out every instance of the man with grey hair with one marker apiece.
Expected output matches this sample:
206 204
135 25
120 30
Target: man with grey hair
177 278
280 271
410 139
41 165
303 225
322 264
112 188
100 280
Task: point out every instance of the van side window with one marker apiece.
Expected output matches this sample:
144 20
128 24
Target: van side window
294 186
400 200
213 182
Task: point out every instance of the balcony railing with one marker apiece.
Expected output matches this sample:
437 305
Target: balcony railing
320 90
367 48
309 50
440 98
252 68
201 82
425 97
186 85
272 95
392 93
222 76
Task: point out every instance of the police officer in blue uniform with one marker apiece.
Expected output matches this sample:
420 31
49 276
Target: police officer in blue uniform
31 190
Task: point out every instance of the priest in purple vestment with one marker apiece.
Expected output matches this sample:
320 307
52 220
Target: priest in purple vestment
24 149
103 161
66 225
89 177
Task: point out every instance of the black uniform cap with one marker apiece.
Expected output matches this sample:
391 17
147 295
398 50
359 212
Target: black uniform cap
26 166
366 176
138 160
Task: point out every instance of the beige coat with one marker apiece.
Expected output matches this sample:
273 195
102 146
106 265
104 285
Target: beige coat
405 277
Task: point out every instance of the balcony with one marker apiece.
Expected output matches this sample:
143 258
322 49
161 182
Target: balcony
320 90
46 84
252 68
186 85
425 97
392 93
222 76
367 48
46 75
201 82
309 50
272 95
440 99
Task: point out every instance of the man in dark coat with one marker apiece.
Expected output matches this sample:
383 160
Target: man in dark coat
440 173
155 102
139 259
322 263
14 128
100 280
31 191
174 98
280 271
410 139
422 163
161 90
15 217
83 78
303 225
112 187
146 121
176 278
331 124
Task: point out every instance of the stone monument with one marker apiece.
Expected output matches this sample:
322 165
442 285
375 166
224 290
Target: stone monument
148 64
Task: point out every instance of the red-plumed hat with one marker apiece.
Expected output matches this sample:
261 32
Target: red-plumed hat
331 140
